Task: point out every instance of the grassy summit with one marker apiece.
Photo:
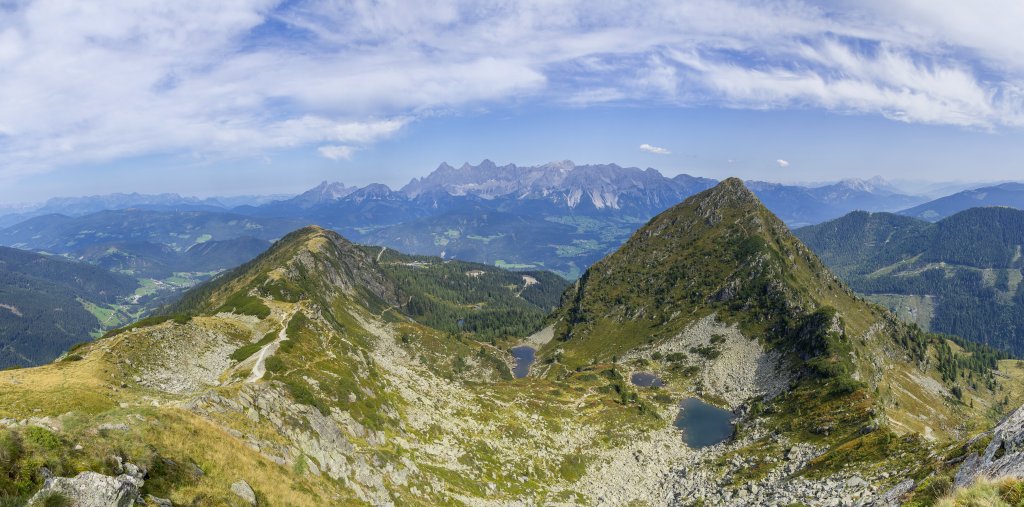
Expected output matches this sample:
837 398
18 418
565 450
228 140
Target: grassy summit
719 252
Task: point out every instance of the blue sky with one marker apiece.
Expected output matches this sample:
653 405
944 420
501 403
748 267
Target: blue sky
259 96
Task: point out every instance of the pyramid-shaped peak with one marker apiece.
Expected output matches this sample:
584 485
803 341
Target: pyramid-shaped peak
732 182
734 186
720 252
731 196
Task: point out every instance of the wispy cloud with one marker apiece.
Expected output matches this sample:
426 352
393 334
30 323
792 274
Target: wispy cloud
657 150
340 152
782 163
91 82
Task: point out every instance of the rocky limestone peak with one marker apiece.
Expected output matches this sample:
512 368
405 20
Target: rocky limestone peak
373 191
324 192
561 165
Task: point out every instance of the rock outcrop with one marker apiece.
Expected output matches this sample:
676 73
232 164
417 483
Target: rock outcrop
244 491
1003 457
91 489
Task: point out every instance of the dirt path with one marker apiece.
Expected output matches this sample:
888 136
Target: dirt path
382 249
260 368
13 309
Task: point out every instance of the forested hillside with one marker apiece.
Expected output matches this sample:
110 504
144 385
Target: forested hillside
959 276
43 304
465 296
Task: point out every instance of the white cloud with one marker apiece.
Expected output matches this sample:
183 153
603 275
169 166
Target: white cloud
337 152
657 150
782 163
86 82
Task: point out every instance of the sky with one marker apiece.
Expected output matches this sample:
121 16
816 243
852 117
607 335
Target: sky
263 96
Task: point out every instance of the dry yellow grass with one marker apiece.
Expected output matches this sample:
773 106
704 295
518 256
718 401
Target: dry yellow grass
82 386
1007 492
225 459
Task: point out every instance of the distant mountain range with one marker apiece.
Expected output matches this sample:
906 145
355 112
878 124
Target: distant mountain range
798 205
178 230
1007 195
79 206
558 216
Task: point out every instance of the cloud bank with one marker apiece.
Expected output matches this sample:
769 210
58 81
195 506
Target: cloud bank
86 82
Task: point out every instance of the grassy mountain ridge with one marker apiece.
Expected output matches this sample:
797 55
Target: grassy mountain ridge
452 296
291 373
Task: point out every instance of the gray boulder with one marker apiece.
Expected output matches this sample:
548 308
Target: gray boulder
90 489
244 491
892 497
158 502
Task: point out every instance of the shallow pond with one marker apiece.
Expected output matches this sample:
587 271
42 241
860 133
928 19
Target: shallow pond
703 424
644 379
524 356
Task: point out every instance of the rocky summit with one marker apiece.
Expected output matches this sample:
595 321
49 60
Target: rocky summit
327 373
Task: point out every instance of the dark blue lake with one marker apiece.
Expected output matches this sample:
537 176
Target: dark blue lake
703 424
644 379
524 356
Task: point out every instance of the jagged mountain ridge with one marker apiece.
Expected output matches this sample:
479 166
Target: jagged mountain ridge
575 214
607 186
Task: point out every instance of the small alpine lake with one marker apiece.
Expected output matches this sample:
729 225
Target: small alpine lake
703 424
645 379
524 356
